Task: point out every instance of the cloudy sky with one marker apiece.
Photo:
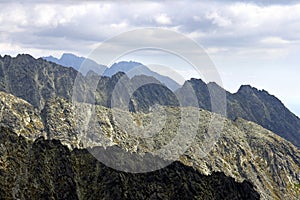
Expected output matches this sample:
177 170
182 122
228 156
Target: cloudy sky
251 42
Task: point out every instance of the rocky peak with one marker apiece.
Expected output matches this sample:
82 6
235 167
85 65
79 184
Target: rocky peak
247 89
249 103
196 82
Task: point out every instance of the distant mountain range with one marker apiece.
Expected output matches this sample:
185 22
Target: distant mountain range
71 60
130 68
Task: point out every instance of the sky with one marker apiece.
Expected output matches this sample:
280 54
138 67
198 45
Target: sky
250 42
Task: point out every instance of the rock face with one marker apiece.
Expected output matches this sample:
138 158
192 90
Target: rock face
35 80
243 150
264 109
250 104
45 169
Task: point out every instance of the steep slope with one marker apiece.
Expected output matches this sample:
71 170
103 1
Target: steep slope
142 92
71 60
265 109
35 80
45 169
201 91
250 104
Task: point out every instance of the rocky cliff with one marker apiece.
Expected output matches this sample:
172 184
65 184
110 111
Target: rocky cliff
35 80
251 104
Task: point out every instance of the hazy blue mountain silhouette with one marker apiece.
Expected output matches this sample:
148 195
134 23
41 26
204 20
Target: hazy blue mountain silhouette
71 60
132 69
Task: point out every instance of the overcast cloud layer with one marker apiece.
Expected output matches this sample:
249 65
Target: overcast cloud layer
253 43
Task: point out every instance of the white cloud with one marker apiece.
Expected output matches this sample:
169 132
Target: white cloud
274 41
196 35
218 19
213 24
274 19
163 19
122 25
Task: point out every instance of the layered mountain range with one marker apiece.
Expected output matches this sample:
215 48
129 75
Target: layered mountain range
131 68
36 80
40 134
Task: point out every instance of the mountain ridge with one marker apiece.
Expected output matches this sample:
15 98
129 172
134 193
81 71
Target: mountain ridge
36 80
131 68
251 104
244 150
71 60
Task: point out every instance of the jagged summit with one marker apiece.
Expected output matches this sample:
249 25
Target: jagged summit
251 104
214 84
195 80
246 88
131 68
19 56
